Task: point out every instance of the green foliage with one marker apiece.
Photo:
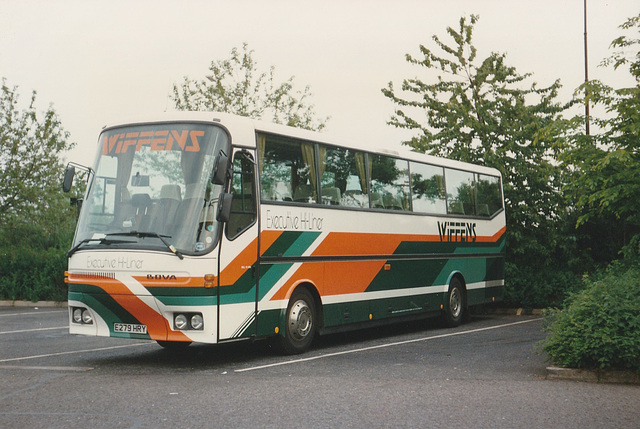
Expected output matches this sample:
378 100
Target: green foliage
237 86
30 168
606 166
484 112
530 287
36 220
600 326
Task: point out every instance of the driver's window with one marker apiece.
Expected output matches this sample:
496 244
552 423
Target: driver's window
243 205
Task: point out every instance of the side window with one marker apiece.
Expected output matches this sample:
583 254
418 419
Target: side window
489 195
243 204
389 183
287 170
427 189
460 192
343 177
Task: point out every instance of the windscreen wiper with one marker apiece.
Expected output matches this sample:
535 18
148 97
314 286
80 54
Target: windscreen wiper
100 240
141 234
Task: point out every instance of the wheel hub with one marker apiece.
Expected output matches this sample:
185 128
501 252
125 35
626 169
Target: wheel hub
300 320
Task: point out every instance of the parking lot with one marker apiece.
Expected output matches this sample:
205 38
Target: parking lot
485 373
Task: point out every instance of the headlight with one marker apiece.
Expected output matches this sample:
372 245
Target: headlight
197 322
86 317
180 322
77 315
188 321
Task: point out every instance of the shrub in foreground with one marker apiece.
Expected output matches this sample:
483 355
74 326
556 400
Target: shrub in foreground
600 325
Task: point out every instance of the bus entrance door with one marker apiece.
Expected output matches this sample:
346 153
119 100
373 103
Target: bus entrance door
237 294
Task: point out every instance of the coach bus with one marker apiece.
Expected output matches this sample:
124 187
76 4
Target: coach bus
207 227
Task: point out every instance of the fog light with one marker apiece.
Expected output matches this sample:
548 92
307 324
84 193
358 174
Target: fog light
197 322
77 315
180 321
86 317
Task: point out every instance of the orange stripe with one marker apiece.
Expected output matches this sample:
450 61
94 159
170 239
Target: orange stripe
303 274
337 278
350 277
247 257
157 326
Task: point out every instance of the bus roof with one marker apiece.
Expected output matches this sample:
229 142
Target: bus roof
243 129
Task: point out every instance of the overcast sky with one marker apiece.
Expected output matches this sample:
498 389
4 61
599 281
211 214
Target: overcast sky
100 60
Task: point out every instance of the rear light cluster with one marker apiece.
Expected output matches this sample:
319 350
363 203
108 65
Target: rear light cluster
81 316
188 321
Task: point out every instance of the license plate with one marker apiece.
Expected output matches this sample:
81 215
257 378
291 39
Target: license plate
130 328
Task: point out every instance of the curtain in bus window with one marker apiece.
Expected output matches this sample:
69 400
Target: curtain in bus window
427 189
460 192
308 158
341 182
262 144
288 171
361 169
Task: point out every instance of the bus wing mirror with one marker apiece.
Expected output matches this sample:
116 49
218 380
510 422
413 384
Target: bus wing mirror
221 170
224 207
68 178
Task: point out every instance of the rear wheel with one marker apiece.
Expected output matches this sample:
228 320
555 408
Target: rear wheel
300 321
454 306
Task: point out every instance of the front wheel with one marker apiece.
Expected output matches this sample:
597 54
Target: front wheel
300 321
173 345
454 306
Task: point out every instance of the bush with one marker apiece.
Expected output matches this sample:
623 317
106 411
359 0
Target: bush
538 287
33 274
33 259
600 326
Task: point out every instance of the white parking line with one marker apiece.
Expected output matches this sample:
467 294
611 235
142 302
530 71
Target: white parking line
34 330
49 368
73 352
380 346
38 312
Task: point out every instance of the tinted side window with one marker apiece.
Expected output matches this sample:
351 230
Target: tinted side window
389 183
344 180
489 195
427 189
287 170
460 192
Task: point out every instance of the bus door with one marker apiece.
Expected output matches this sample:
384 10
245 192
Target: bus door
237 293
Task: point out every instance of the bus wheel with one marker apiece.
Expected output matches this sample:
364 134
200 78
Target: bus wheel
300 323
454 306
174 345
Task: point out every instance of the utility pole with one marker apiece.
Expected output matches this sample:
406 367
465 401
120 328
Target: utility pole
586 73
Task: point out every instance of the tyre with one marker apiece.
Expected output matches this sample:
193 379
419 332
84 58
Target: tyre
300 323
455 304
174 345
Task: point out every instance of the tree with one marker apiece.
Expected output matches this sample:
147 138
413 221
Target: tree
236 85
482 111
606 181
36 220
30 164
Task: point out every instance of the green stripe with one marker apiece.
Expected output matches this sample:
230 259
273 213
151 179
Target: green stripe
106 307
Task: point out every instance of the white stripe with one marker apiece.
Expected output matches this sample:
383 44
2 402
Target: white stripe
398 343
281 281
369 296
33 312
33 330
73 352
391 293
